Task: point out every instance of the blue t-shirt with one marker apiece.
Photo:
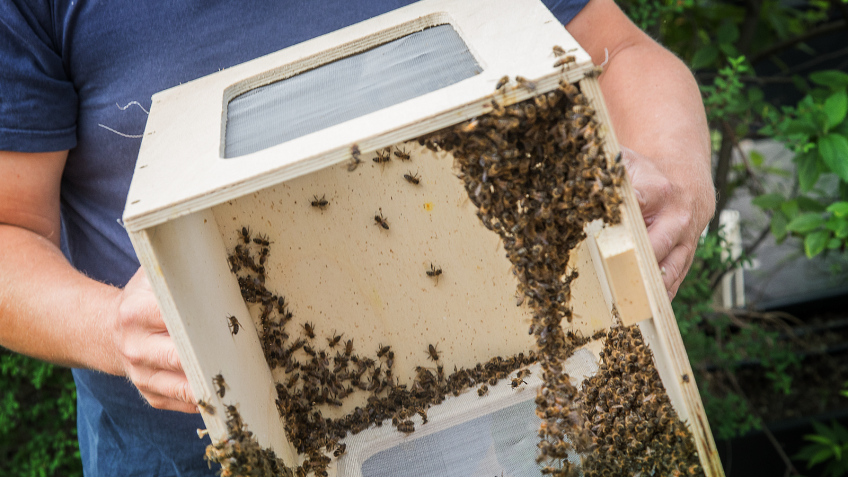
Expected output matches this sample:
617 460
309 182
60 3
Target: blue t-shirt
79 75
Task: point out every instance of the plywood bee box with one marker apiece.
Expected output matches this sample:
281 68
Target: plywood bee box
288 196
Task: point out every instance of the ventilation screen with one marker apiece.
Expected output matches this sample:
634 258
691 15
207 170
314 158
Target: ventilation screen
346 89
465 436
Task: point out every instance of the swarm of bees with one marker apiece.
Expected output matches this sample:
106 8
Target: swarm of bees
241 454
537 172
630 416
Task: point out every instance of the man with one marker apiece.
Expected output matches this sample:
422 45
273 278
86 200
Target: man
71 291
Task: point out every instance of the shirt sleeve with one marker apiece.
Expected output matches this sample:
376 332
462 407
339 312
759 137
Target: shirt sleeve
565 10
38 102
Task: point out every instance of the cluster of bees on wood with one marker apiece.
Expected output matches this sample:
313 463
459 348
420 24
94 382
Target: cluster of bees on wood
241 454
628 416
537 173
324 371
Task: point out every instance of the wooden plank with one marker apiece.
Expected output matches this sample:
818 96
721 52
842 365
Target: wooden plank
186 264
180 170
662 332
618 256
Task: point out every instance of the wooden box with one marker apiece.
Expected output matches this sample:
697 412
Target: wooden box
191 195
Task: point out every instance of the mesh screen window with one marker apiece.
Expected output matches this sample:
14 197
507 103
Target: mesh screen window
389 74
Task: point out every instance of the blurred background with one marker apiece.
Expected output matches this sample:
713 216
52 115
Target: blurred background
764 310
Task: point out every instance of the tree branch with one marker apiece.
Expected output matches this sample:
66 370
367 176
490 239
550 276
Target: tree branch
749 26
725 154
809 34
789 467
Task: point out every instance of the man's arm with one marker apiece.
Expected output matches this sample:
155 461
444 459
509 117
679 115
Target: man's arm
51 311
658 115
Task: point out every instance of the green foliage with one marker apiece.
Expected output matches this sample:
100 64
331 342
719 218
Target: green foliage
828 445
38 435
714 341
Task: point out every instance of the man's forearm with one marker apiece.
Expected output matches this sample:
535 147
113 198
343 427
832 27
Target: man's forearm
49 310
656 109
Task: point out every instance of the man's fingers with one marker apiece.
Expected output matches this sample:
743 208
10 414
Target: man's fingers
674 268
156 351
167 404
169 385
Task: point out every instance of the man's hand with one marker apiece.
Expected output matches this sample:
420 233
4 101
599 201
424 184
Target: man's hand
53 312
145 352
669 213
656 110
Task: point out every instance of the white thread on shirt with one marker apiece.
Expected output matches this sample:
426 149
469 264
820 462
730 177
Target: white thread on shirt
130 104
131 136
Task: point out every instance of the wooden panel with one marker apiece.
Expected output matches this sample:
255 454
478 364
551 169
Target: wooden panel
186 264
662 332
618 255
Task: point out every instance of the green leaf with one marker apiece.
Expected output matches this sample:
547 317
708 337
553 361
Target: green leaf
801 126
704 57
839 209
728 49
778 226
820 456
835 107
832 79
805 223
809 168
790 208
768 201
808 204
756 158
833 244
833 149
815 243
727 32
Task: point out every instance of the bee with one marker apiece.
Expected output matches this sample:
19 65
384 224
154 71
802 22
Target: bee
406 427
685 378
517 382
434 272
235 263
206 407
382 350
469 127
564 61
218 380
260 240
382 157
263 255
482 390
320 203
309 329
355 159
502 82
412 179
244 234
525 83
234 324
402 154
340 450
559 51
380 220
348 348
332 342
434 354
292 380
